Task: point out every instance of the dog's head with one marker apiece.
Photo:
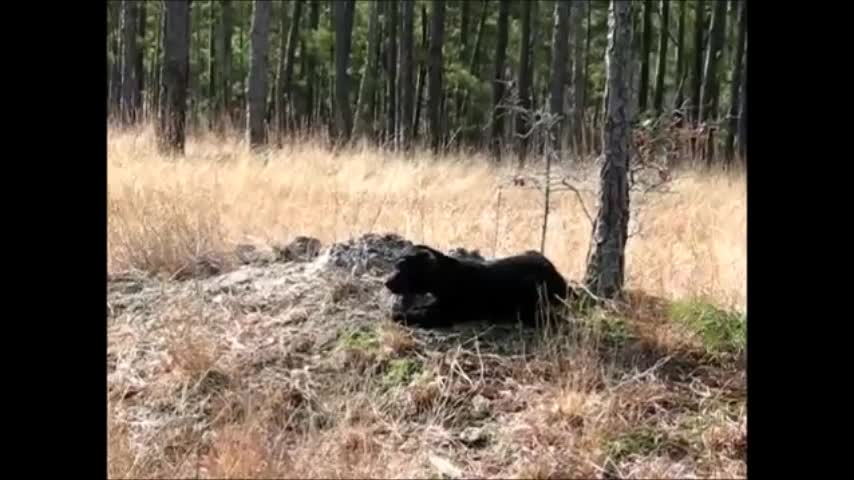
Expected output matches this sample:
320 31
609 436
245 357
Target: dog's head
416 271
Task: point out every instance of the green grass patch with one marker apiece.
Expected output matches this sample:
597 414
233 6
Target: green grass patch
361 338
400 371
720 331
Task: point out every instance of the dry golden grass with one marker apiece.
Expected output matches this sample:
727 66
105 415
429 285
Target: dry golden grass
161 212
277 407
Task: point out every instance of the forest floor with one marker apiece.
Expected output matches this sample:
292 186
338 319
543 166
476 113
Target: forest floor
229 358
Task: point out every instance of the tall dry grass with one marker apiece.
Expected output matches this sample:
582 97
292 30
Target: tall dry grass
164 211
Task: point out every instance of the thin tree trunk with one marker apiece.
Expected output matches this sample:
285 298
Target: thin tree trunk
422 72
464 40
605 275
584 96
256 94
700 26
406 85
227 33
116 72
645 53
391 73
523 123
287 89
343 12
279 90
474 63
364 119
312 84
735 86
139 101
658 100
680 57
560 46
498 79
172 117
579 74
437 34
213 66
157 64
711 87
130 59
742 117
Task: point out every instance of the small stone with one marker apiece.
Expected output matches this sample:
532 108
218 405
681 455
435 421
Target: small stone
474 436
480 406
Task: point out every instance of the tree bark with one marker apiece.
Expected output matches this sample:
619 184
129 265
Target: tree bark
130 60
115 11
697 81
605 275
523 123
312 83
407 87
560 46
580 79
172 115
498 79
710 89
364 120
256 93
391 73
225 57
459 96
213 64
645 52
735 87
422 72
279 90
343 13
140 62
287 94
663 38
742 117
709 96
680 57
437 34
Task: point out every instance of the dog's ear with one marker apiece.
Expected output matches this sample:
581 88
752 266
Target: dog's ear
429 252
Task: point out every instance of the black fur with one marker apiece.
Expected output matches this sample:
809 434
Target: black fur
508 289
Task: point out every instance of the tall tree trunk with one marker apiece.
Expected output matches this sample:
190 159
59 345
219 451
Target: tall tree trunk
606 267
735 86
437 34
407 87
279 90
130 59
711 87
172 115
742 116
464 56
645 52
422 72
391 73
256 93
523 123
579 73
115 10
312 84
680 57
498 79
140 61
474 63
287 90
589 137
157 64
364 119
560 47
213 65
225 61
697 80
661 72
343 12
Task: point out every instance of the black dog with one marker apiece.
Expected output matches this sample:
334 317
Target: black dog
508 289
